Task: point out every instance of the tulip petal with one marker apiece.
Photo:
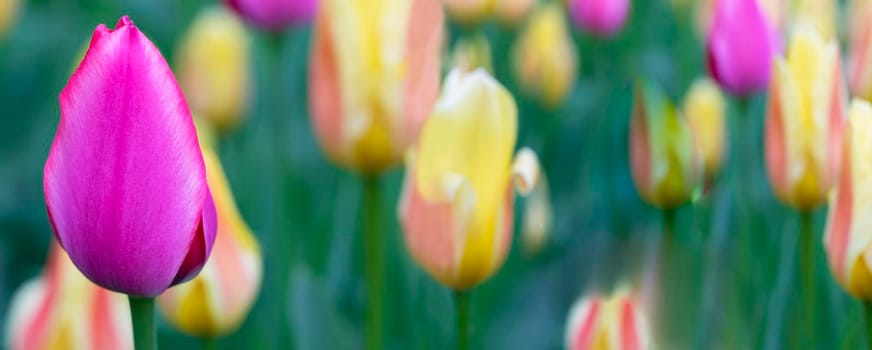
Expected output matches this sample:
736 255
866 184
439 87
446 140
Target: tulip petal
525 171
124 181
424 42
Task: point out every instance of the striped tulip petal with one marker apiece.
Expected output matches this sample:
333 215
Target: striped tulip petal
616 323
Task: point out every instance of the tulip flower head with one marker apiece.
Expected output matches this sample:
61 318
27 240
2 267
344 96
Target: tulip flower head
705 110
741 46
664 159
774 10
545 58
374 78
456 208
804 120
274 15
213 67
603 18
616 323
216 301
473 52
510 12
473 12
821 14
61 309
860 60
848 238
125 185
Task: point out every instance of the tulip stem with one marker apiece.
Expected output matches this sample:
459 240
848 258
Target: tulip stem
373 260
867 308
668 232
461 307
808 273
210 343
142 315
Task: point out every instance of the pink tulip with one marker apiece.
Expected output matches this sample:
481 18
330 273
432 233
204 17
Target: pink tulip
125 185
614 323
274 15
741 46
601 17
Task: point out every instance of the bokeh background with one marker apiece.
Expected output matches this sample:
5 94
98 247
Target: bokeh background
736 286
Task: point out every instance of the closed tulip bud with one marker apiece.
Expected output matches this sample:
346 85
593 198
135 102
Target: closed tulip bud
665 162
274 15
616 323
8 14
538 218
804 120
216 301
213 68
860 59
511 12
470 12
741 46
848 238
705 110
471 53
603 18
545 58
456 208
125 185
61 309
774 10
374 78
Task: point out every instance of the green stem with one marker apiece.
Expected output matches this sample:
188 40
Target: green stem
374 256
142 314
807 263
668 232
461 307
209 343
867 308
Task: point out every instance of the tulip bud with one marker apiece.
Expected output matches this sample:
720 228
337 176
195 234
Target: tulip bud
213 68
216 301
511 12
664 160
848 238
545 58
804 120
374 78
860 37
705 110
741 46
606 324
61 309
274 15
775 12
471 53
456 209
603 18
538 218
125 185
8 14
470 12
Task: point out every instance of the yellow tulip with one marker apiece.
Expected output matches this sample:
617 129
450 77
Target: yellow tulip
860 49
848 239
8 13
216 301
705 110
214 67
374 76
545 58
804 120
456 208
818 13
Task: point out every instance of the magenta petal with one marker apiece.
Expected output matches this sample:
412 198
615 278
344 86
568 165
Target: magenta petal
125 185
201 246
274 15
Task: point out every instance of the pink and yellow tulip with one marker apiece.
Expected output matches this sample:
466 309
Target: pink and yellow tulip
804 120
860 49
370 89
456 209
615 323
125 185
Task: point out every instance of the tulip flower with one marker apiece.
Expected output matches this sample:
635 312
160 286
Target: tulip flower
860 59
615 323
775 12
217 300
848 238
664 159
472 52
125 185
456 205
538 218
214 66
545 58
511 12
8 14
274 15
804 120
741 46
374 78
472 12
61 309
705 110
601 17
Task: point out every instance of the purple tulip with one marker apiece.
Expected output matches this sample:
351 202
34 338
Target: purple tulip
125 184
274 15
601 17
741 46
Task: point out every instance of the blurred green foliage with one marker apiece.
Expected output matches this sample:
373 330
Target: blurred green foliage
732 280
